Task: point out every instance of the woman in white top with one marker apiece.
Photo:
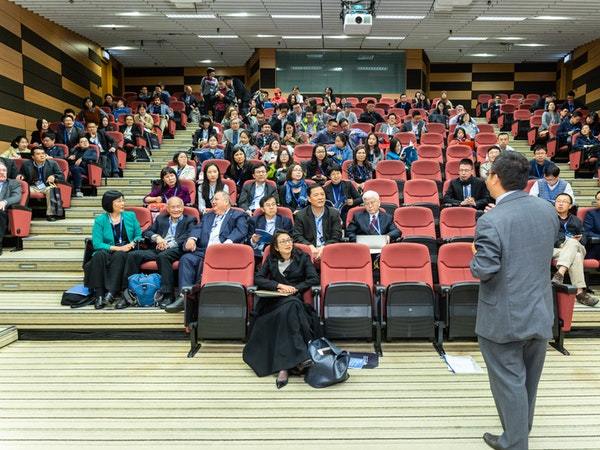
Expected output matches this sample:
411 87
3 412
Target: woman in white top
185 171
469 125
550 117
209 182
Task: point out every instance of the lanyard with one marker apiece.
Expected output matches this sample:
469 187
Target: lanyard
337 194
217 222
120 235
164 196
537 170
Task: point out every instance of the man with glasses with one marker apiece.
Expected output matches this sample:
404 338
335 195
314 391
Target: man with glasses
372 221
252 193
467 190
265 224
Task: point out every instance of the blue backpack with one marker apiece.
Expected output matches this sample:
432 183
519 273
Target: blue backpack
142 288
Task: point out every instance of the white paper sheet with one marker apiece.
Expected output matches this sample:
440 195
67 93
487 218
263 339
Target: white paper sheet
462 364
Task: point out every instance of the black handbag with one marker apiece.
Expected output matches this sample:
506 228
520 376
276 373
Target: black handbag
330 364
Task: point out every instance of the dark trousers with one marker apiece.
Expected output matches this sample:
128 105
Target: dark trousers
3 225
190 269
113 162
77 173
164 260
104 272
514 370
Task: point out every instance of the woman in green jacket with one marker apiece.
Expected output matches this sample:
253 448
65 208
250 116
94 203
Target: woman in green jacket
114 235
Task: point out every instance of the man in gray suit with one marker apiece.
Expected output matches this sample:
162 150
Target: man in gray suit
10 194
513 250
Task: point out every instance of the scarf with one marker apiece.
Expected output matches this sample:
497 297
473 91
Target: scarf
302 196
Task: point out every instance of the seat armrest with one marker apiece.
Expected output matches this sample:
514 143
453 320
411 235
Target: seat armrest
565 288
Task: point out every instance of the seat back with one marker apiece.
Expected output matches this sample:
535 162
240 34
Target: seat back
117 136
535 121
435 128
64 148
428 152
483 98
303 152
232 190
581 212
431 138
508 108
485 128
426 169
143 216
457 223
177 106
522 114
415 221
63 166
405 137
421 191
387 190
232 263
485 139
405 262
366 127
516 96
451 170
390 170
191 187
458 152
454 261
222 164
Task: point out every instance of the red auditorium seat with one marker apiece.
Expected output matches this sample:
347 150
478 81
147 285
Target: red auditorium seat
143 215
352 100
521 123
435 128
346 293
19 217
485 139
451 170
506 116
222 164
390 170
223 299
534 124
552 140
357 111
368 99
457 224
405 137
458 152
482 104
400 112
356 210
232 190
303 152
366 127
426 169
387 190
431 138
422 193
120 140
429 152
485 128
387 100
534 97
345 165
178 106
64 187
459 287
408 301
516 96
418 225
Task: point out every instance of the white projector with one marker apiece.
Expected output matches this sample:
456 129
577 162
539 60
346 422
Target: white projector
358 24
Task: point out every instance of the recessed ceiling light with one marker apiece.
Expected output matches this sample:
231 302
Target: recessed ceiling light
295 16
552 18
396 17
265 36
121 47
531 45
510 38
386 38
466 38
112 26
133 14
501 18
191 16
217 36
205 61
240 14
483 55
336 69
302 37
342 36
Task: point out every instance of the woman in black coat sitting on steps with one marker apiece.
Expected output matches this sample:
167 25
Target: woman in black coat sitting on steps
283 325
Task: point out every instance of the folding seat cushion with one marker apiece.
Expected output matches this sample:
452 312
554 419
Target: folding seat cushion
417 224
429 153
458 224
390 170
387 190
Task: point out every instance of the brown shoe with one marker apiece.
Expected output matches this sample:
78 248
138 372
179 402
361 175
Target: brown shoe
587 299
558 278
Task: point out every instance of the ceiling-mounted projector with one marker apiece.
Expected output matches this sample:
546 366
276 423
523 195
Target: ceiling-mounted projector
358 23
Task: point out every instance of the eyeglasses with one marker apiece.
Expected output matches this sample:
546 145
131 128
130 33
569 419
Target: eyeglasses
285 241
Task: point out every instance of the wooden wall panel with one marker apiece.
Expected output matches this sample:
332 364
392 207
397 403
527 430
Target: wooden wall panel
11 63
585 79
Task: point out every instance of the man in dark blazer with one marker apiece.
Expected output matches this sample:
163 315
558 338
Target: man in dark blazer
166 237
68 133
317 225
253 192
270 221
467 190
222 225
11 167
571 104
107 145
515 314
404 103
10 194
591 229
416 124
279 119
372 221
41 174
201 135
370 115
242 95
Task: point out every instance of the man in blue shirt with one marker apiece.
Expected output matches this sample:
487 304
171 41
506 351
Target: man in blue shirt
567 128
326 136
537 166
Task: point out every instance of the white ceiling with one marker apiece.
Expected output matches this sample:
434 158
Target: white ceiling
173 42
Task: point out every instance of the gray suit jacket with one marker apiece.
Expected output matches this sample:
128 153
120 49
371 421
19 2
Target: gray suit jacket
11 192
248 191
514 244
228 134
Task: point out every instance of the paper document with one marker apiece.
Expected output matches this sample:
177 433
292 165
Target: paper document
263 293
357 363
462 364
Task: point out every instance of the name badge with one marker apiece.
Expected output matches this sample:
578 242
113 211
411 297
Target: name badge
40 185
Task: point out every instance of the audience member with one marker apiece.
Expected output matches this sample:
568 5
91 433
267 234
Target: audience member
41 127
593 121
144 95
571 104
232 134
587 143
79 158
268 222
296 115
278 170
90 112
328 135
291 136
372 221
370 115
206 130
224 97
567 128
120 108
445 101
317 224
10 194
549 118
461 137
279 120
467 190
145 118
107 146
18 148
293 194
340 151
68 133
551 186
231 113
210 150
347 113
168 186
485 167
311 124
404 104
389 127
240 93
253 192
569 250
210 183
374 153
240 169
539 163
269 155
319 166
361 169
183 169
460 110
469 125
114 234
440 114
162 94
414 124
328 96
208 88
265 137
192 105
341 194
421 101
503 139
163 111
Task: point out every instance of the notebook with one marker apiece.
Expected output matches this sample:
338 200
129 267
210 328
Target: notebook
374 242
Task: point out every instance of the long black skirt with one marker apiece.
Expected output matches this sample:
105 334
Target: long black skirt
282 328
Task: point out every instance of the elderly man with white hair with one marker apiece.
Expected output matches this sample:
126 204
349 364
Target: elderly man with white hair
460 110
372 221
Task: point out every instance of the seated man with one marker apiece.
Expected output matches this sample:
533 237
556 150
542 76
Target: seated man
107 146
10 194
48 144
78 160
467 190
571 104
389 127
296 115
569 250
414 124
166 236
551 186
269 222
222 225
11 167
372 221
232 134
162 110
192 104
253 193
370 115
326 136
68 133
41 174
591 228
311 124
503 139
404 103
538 164
567 128
341 194
279 119
317 225
265 137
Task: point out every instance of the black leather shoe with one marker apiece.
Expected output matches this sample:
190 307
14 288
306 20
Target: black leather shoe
122 304
177 305
492 440
99 302
109 299
166 301
51 219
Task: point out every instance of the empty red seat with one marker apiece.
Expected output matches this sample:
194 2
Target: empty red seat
179 107
458 224
387 190
19 217
406 137
451 171
366 127
408 300
431 138
422 193
482 104
485 128
222 164
303 152
368 99
426 169
485 139
520 125
428 152
436 128
506 116
143 216
458 152
390 170
535 122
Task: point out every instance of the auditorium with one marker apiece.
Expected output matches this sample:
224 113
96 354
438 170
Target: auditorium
313 224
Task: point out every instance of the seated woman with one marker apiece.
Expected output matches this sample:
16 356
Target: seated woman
18 149
80 156
319 166
549 118
291 135
569 250
183 169
492 154
374 153
462 138
394 153
440 114
240 169
278 170
210 151
469 125
250 150
130 132
105 124
593 120
361 169
41 125
168 186
341 193
269 156
283 325
231 114
209 182
293 193
114 234
340 151
587 143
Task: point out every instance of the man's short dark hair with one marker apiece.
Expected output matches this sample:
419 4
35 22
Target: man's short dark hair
335 167
503 133
331 120
552 170
265 199
69 111
50 135
494 147
283 106
34 149
539 147
466 162
370 102
312 187
258 166
342 121
577 114
512 169
416 113
571 93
